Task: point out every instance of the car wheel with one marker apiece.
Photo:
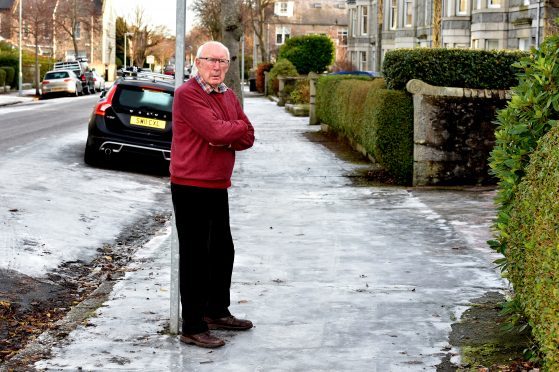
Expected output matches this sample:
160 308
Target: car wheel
93 157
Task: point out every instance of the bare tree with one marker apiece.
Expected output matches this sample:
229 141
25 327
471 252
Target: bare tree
37 23
259 12
196 37
144 37
76 16
231 36
164 50
208 13
437 6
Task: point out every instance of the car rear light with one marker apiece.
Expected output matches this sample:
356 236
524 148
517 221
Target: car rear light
106 102
46 82
67 80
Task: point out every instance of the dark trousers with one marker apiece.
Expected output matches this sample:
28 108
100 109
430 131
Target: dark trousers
206 254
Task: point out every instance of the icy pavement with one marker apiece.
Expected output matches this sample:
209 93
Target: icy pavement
13 98
334 276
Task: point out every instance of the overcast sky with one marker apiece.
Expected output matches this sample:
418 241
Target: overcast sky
156 12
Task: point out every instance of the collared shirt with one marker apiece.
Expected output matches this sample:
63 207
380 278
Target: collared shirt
221 88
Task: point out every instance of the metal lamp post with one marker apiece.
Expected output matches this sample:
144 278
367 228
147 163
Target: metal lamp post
179 79
126 34
20 72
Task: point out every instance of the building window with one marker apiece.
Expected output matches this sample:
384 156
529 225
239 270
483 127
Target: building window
462 7
364 20
409 12
363 61
448 8
524 44
353 22
283 8
491 44
342 36
475 44
78 30
25 28
494 4
393 14
282 34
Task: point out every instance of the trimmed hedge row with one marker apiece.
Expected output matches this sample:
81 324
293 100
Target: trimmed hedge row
11 60
523 233
463 68
2 77
534 237
10 74
379 119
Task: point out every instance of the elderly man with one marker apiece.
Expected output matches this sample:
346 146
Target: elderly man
209 125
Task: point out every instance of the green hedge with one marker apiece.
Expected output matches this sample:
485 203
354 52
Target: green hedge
530 114
2 77
10 74
534 244
464 68
11 60
309 53
379 119
282 67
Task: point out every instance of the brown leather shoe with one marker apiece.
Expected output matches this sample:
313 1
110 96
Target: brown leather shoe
229 322
204 339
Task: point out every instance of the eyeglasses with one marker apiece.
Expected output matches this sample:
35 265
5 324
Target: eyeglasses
222 62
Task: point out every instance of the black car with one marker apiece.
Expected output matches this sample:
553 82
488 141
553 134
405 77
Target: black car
133 117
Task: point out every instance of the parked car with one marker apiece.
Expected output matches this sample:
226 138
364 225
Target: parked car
98 82
169 70
359 73
133 117
81 69
61 82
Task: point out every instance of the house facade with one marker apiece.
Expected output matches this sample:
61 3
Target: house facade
304 17
95 40
376 26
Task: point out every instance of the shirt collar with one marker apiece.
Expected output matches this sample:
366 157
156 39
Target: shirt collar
221 88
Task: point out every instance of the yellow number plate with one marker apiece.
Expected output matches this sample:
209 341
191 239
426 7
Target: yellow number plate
147 122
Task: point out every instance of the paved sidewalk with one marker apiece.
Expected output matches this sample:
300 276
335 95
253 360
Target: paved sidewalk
13 98
335 276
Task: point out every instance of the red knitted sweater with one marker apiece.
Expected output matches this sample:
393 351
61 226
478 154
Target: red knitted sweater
207 130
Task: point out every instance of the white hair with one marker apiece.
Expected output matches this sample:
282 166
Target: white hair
216 43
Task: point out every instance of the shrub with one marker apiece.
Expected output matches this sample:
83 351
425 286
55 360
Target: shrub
529 115
464 68
301 92
282 67
388 135
309 53
534 246
381 120
2 77
260 79
10 74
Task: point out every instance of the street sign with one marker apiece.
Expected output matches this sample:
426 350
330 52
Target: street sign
150 60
